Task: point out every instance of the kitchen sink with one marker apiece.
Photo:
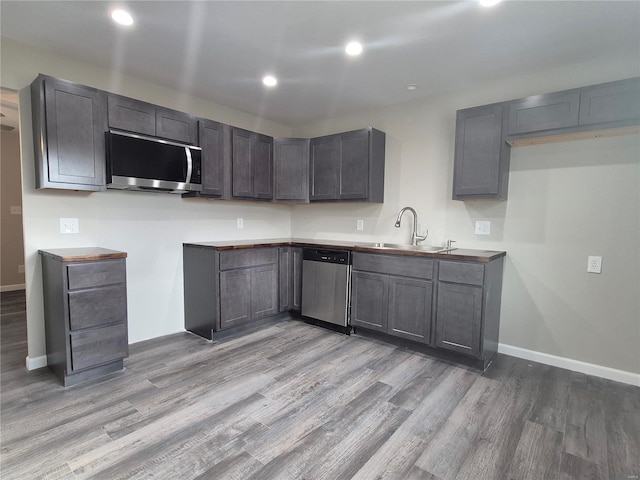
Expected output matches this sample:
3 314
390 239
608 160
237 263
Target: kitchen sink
400 246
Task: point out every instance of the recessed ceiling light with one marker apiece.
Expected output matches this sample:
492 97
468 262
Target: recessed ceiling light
122 17
270 81
411 87
353 48
489 3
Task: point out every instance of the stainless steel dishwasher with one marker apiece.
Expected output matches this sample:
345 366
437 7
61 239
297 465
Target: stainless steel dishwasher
326 285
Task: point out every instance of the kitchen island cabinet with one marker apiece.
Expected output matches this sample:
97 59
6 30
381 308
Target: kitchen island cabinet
85 302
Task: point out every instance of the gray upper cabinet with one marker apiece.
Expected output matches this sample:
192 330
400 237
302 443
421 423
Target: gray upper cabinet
262 160
148 119
544 112
214 141
610 102
251 165
291 169
348 166
324 168
69 121
481 161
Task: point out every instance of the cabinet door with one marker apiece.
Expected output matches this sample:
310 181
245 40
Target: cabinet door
610 102
481 161
370 300
459 318
324 167
354 165
264 291
544 112
93 347
177 126
410 308
235 297
291 160
241 168
212 141
296 279
262 166
284 278
132 115
75 122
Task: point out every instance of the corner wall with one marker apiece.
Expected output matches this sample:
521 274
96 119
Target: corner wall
566 201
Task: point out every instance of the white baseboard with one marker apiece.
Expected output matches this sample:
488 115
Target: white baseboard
37 362
570 364
12 288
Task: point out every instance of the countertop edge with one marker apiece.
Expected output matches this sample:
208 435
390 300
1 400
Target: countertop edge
82 254
483 256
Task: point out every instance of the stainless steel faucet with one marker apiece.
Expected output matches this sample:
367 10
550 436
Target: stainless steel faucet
415 238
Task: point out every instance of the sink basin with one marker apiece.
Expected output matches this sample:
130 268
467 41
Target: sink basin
400 246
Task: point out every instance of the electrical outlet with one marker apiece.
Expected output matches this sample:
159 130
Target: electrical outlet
20 268
594 264
16 210
240 222
360 224
69 225
483 227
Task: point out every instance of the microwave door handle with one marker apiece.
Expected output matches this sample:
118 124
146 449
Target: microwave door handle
189 164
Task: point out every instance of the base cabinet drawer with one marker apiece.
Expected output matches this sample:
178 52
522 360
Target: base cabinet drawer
95 274
90 308
98 346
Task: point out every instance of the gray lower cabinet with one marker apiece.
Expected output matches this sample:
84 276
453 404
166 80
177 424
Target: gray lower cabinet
347 166
85 301
69 121
290 278
228 288
481 159
393 294
467 316
145 118
251 165
291 169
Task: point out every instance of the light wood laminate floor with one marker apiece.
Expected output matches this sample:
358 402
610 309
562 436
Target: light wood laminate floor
294 401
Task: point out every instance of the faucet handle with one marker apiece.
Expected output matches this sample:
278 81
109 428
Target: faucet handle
449 242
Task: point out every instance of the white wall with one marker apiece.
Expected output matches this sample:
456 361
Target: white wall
150 227
566 201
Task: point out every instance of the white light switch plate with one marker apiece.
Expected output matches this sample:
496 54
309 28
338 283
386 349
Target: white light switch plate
16 210
483 227
240 222
69 225
360 224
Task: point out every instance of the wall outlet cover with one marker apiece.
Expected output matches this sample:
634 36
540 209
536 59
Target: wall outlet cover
594 264
483 227
16 210
69 225
240 222
360 224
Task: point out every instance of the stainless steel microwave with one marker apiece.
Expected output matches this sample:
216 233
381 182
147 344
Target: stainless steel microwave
136 162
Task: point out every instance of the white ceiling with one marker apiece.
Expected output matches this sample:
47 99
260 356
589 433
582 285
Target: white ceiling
219 50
